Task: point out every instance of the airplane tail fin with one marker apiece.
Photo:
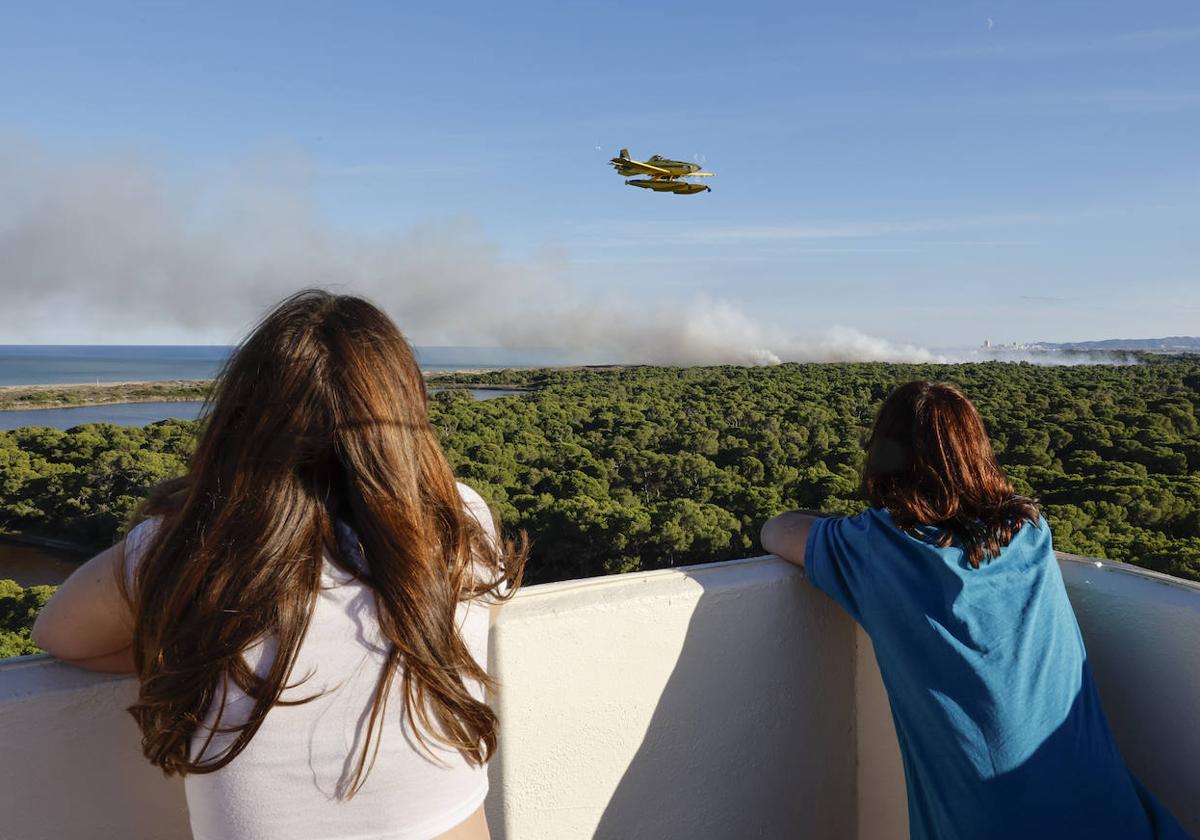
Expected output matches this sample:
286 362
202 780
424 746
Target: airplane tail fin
625 154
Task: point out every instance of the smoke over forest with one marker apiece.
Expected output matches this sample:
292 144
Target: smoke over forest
109 249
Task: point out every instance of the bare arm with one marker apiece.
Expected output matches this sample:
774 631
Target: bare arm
786 534
87 623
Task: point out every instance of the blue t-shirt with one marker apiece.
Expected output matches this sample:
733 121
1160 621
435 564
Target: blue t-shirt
997 715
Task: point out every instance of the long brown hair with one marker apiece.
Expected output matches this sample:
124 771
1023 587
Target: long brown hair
930 464
320 415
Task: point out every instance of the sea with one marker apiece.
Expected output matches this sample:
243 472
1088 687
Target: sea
47 364
42 364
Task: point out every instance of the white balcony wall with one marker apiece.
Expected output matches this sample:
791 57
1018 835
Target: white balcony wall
729 700
70 767
1142 632
710 702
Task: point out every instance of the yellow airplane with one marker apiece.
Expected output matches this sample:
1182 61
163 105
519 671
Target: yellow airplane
664 174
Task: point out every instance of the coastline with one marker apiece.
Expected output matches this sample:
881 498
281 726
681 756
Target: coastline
28 397
78 395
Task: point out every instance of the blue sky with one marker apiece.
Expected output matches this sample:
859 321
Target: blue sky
935 173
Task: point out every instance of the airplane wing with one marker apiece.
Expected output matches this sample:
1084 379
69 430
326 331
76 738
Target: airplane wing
638 166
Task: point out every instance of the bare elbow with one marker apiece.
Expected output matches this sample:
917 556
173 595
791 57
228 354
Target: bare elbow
767 535
48 634
52 633
773 537
785 535
41 635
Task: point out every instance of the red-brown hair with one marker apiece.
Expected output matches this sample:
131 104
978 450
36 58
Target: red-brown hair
319 416
930 464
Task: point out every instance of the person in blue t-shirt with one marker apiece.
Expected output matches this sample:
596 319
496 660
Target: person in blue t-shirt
954 578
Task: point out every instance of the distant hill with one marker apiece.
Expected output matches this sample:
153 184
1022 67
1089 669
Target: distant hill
1185 343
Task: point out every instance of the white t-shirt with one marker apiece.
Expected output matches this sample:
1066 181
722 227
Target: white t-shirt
287 784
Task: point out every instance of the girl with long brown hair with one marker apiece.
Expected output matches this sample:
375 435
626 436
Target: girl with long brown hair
953 576
307 608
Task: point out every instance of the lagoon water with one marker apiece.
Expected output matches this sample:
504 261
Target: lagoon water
34 566
141 414
122 414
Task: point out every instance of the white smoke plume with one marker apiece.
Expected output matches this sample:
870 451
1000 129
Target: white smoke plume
1046 357
701 332
109 250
